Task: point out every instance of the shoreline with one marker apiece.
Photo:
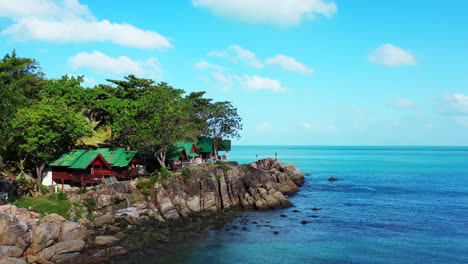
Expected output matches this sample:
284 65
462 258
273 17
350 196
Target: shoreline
126 220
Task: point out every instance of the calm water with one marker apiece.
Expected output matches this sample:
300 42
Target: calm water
391 205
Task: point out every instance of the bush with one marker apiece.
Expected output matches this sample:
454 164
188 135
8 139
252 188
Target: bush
90 204
223 166
146 184
186 173
82 190
165 173
61 196
44 189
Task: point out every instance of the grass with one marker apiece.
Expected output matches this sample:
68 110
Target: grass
45 204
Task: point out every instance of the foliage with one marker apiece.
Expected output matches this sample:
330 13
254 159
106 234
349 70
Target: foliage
224 122
165 173
82 190
146 184
46 129
223 166
45 204
89 203
61 196
186 173
42 118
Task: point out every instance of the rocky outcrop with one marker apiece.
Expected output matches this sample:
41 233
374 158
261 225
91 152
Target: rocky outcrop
27 237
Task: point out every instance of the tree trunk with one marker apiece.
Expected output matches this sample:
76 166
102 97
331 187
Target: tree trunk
161 157
39 170
215 148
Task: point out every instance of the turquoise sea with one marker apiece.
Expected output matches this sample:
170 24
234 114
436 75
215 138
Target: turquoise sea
390 205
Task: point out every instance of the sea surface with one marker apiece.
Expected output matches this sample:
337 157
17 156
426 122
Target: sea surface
390 205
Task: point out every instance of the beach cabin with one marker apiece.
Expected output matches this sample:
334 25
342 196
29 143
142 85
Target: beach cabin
206 148
181 154
92 166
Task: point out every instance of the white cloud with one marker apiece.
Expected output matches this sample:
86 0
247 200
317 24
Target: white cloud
225 81
218 53
265 125
255 83
457 103
401 103
246 56
391 56
236 53
204 65
275 12
100 62
289 64
69 21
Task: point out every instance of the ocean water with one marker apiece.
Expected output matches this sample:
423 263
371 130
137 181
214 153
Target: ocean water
390 205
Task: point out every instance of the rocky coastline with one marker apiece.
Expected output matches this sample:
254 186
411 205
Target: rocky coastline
120 218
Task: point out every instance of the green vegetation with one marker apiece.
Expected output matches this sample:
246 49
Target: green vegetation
46 204
223 166
146 184
186 173
41 118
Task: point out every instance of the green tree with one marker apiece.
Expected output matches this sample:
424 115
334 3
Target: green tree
20 83
165 120
224 122
46 129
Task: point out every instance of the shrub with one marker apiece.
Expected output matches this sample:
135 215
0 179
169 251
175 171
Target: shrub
82 190
61 196
165 173
90 203
187 173
223 166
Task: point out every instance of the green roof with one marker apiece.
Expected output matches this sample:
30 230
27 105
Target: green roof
81 158
84 160
68 159
205 145
117 157
176 149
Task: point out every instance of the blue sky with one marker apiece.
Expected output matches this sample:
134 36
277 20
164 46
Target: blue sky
300 72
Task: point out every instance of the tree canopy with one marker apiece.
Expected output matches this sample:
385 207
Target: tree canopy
40 118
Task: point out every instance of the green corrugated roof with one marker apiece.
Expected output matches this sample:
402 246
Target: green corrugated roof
84 160
205 145
176 149
68 159
124 159
81 158
174 152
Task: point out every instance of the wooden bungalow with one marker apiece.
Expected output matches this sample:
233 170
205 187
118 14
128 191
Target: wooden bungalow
92 166
181 153
206 148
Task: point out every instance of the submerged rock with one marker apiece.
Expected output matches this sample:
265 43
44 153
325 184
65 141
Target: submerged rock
332 179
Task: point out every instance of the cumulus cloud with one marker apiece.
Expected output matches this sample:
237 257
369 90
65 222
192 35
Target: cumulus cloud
457 103
289 64
204 65
265 125
281 13
391 56
401 103
69 21
101 62
225 81
236 54
256 83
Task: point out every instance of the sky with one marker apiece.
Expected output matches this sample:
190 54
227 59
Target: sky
300 72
